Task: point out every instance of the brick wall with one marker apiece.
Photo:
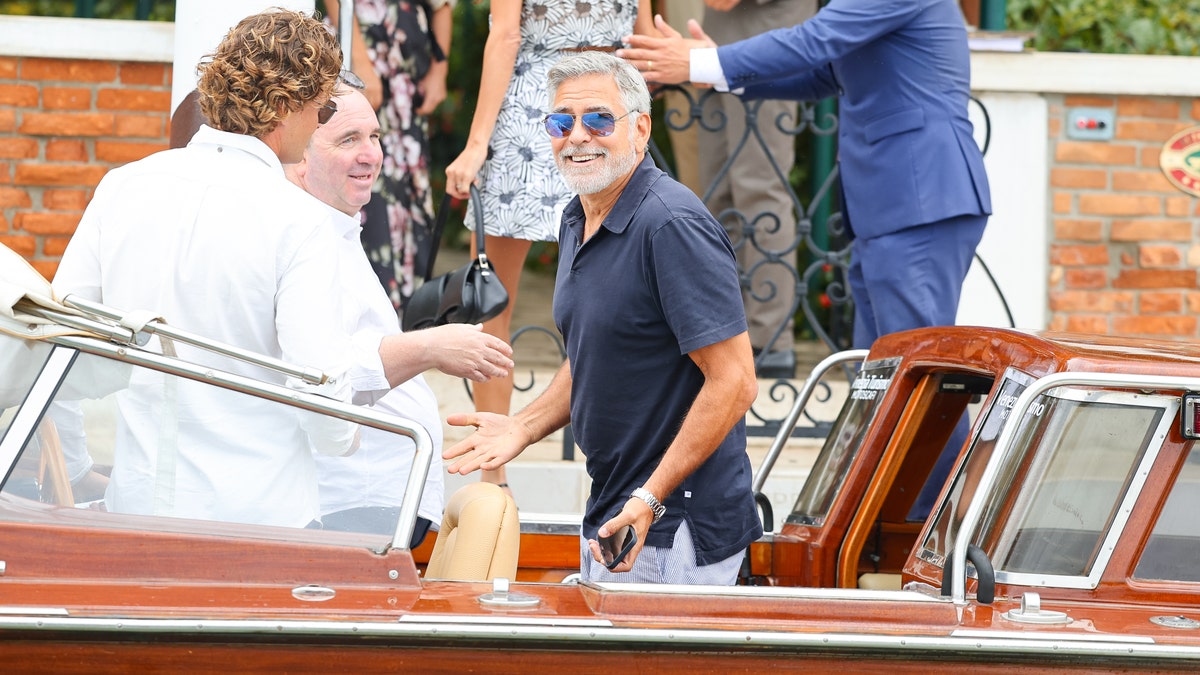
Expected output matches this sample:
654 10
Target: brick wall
1124 245
63 124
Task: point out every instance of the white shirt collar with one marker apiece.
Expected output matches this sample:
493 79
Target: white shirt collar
207 135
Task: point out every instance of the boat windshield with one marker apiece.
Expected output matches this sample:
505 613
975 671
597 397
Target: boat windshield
1170 554
940 537
1080 457
833 463
131 447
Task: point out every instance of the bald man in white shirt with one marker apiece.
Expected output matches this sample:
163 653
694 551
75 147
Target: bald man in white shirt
363 492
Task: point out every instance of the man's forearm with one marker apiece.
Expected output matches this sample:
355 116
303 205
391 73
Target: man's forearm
550 411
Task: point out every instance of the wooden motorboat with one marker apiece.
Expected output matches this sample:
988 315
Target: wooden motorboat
1062 539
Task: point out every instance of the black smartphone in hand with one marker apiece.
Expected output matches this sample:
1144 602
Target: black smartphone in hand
613 549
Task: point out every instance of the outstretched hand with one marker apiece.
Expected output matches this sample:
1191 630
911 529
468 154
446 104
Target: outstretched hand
464 350
666 59
496 441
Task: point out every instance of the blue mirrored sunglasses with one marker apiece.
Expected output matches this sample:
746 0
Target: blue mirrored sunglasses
559 125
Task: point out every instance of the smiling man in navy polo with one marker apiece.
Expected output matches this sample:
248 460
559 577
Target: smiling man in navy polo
659 372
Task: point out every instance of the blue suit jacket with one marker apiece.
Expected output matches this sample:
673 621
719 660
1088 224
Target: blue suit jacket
901 71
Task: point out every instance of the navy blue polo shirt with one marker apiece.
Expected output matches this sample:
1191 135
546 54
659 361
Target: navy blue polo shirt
657 281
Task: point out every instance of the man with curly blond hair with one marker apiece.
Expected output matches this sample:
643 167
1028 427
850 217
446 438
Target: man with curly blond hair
214 238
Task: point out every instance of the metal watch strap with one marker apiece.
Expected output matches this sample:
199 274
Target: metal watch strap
656 506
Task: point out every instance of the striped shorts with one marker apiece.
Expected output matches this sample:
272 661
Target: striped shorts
674 565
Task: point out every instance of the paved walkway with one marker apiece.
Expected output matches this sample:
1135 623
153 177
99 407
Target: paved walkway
541 479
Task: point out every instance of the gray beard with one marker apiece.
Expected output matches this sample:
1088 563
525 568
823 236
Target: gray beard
592 182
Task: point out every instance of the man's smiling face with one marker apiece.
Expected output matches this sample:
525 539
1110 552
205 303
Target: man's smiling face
589 163
344 156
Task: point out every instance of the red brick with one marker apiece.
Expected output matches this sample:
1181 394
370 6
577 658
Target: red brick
1151 230
1094 153
1084 101
67 124
1063 202
64 200
1142 181
1142 130
21 244
1076 255
1080 230
1090 278
8 68
1161 303
1159 256
1087 323
3 223
8 119
1155 279
1147 107
145 126
1155 325
134 99
1193 302
68 70
47 223
59 174
1079 178
144 73
18 148
1126 258
5 174
14 197
66 151
1120 205
54 245
46 268
1058 322
1091 301
18 95
1179 207
66 98
1151 157
119 152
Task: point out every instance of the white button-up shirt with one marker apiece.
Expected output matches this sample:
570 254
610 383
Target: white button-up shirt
215 239
376 474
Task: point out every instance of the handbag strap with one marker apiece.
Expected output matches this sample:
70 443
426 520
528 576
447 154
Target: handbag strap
439 225
477 202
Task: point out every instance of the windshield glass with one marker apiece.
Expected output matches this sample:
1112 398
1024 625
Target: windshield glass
829 471
939 537
1170 555
142 449
1077 463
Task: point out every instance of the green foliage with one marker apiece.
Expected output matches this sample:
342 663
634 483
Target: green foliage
158 10
1110 26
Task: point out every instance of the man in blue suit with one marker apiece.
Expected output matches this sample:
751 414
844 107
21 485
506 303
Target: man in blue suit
916 195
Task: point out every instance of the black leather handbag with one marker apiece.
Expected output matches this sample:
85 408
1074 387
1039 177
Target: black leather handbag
470 294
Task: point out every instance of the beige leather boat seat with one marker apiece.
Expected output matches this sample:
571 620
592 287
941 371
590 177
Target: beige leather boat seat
480 536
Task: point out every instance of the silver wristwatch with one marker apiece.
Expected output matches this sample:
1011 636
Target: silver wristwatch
656 506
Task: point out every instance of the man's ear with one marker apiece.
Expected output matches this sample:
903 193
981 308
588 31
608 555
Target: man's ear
643 132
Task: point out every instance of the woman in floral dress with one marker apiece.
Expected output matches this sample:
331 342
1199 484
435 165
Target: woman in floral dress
508 152
399 51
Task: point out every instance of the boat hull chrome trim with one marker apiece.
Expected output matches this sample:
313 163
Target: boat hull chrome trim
593 638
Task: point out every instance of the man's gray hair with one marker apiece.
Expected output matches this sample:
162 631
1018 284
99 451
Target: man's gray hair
634 93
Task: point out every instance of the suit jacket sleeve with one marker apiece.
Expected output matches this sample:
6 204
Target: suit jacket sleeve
792 54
